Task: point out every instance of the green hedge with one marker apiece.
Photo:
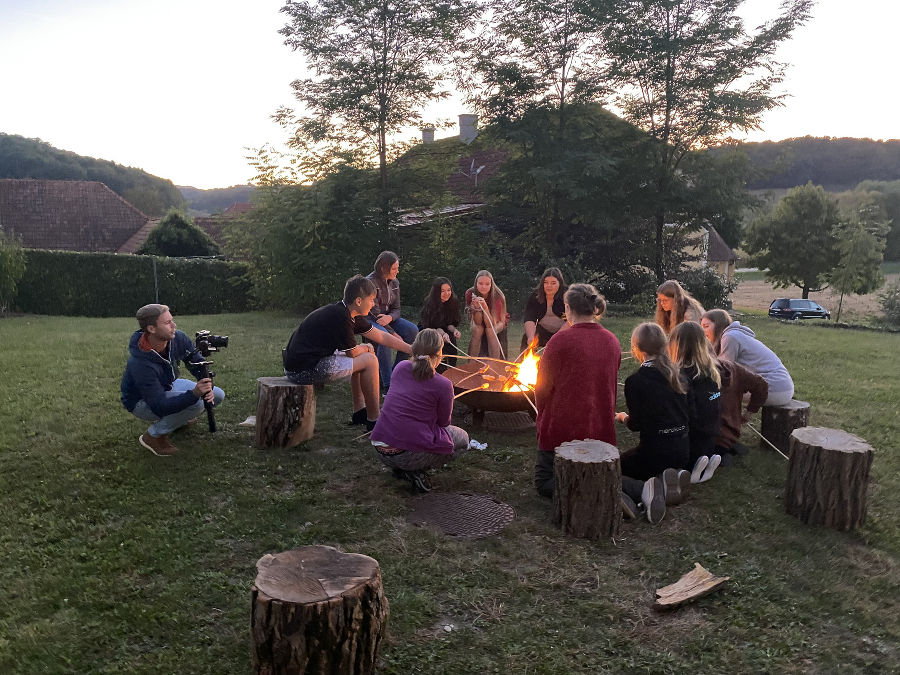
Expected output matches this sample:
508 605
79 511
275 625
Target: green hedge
105 284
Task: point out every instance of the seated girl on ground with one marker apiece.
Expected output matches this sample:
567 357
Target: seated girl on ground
486 305
441 312
733 342
545 311
576 382
413 432
691 352
657 408
675 305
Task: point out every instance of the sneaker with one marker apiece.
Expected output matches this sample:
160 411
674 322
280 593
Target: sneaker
740 449
699 466
654 500
629 508
420 481
159 446
710 469
671 487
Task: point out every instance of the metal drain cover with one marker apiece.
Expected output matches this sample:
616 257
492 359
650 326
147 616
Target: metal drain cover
508 421
460 514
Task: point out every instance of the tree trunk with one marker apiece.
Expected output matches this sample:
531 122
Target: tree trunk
285 412
828 474
317 610
660 248
778 421
587 495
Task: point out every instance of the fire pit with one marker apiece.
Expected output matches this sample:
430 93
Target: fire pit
494 385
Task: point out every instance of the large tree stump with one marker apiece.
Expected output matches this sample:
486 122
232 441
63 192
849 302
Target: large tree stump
317 610
285 412
828 473
778 421
587 494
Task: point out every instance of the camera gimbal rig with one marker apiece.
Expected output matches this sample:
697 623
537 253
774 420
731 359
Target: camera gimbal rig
206 343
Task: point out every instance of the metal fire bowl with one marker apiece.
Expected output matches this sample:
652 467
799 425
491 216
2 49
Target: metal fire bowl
492 398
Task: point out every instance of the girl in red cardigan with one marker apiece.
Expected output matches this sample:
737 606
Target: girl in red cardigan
576 385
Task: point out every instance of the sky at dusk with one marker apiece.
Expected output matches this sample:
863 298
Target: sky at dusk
180 88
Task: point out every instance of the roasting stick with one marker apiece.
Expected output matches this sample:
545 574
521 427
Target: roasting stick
469 391
494 331
487 358
767 441
362 436
480 371
522 391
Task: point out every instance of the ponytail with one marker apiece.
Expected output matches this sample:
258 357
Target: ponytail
425 347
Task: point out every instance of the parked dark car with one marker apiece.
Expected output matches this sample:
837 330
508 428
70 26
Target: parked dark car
785 308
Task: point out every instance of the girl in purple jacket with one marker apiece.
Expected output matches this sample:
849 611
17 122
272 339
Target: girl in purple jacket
413 432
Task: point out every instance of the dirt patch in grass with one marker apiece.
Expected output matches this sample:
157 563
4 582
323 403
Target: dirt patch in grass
758 295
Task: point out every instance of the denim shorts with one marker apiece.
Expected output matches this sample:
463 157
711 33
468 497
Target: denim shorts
335 368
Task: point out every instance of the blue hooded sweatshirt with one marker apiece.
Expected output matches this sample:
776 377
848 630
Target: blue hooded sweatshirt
148 376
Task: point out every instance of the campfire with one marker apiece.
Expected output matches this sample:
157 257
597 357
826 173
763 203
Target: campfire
494 384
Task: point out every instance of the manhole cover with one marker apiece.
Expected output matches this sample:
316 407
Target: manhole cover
460 514
508 421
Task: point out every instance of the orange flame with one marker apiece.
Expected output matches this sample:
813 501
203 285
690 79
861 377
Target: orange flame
524 375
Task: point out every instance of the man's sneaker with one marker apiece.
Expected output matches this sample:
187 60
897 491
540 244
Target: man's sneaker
161 447
629 508
699 466
654 500
710 469
420 481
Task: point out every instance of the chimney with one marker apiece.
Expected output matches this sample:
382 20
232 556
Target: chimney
427 135
468 128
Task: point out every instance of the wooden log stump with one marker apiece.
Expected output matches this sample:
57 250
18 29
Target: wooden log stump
285 412
778 421
587 494
828 473
317 610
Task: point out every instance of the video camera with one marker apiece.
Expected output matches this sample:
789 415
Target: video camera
205 343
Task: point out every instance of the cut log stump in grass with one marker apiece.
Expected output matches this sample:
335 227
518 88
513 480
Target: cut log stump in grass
587 494
285 412
317 610
828 474
778 421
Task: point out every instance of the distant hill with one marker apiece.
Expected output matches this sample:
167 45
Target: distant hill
206 202
836 164
22 157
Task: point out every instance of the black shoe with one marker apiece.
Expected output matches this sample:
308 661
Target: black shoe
629 508
359 417
399 473
420 481
370 424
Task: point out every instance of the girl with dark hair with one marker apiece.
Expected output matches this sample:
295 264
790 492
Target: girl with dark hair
675 305
486 305
575 392
413 432
658 409
691 352
545 311
441 312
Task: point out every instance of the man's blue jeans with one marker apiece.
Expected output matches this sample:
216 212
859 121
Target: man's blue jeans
406 331
170 423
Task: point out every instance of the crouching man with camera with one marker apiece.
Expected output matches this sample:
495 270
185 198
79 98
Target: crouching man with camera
151 388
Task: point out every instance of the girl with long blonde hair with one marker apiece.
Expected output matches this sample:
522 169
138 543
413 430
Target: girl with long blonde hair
675 305
486 305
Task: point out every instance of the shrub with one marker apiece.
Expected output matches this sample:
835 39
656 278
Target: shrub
710 289
176 235
12 267
889 299
106 284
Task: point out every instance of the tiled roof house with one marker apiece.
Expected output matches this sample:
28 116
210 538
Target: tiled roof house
68 215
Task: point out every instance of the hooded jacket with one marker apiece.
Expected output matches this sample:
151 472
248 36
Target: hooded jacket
148 376
739 344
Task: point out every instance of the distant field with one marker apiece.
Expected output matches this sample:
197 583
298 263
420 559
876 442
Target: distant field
754 293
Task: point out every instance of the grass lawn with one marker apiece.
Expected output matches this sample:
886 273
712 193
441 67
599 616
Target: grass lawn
119 561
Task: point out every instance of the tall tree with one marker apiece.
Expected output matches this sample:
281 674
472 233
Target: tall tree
688 73
860 246
375 63
797 241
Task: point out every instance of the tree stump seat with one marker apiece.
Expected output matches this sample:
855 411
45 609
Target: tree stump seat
778 421
285 412
587 494
317 610
828 474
